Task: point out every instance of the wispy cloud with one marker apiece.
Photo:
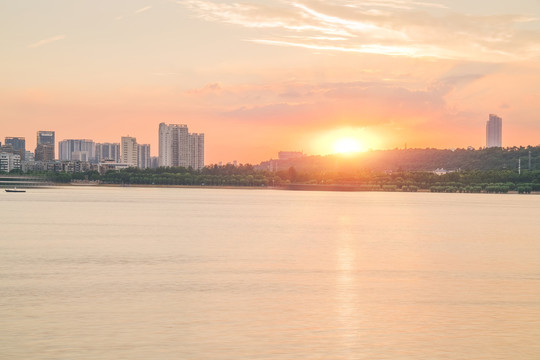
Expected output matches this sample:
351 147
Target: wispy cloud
143 9
207 89
390 27
47 41
138 11
399 4
366 49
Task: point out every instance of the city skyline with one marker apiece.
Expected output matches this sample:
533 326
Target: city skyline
262 76
84 151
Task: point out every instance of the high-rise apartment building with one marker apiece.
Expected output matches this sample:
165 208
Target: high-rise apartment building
45 146
173 144
144 160
196 151
129 151
77 149
108 151
494 131
165 147
18 144
177 147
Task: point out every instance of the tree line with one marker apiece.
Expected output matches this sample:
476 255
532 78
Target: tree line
491 181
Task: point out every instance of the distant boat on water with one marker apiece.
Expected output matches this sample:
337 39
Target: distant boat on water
15 190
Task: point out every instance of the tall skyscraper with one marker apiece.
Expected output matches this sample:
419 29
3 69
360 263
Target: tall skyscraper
129 150
177 147
45 137
494 131
45 146
77 149
19 145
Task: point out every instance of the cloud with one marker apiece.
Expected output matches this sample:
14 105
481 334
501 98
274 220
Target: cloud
388 27
47 41
267 112
398 4
447 84
365 49
146 8
164 73
207 89
138 11
355 103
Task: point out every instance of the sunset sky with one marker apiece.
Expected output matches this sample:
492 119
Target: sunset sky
261 76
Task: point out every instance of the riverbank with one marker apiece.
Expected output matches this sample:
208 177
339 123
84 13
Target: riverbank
289 187
81 184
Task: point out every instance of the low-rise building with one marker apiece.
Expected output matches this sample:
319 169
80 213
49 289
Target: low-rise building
9 161
105 166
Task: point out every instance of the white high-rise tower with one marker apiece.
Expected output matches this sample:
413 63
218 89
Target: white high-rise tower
165 147
494 131
129 151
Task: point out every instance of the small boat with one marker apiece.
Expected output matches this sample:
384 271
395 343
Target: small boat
15 190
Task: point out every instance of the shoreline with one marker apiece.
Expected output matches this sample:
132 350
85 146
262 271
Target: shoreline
168 186
288 187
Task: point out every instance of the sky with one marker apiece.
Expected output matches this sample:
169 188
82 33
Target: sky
258 77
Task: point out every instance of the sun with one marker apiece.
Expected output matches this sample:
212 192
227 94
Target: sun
347 146
346 141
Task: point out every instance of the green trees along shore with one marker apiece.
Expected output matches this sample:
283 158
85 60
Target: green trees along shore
494 170
471 181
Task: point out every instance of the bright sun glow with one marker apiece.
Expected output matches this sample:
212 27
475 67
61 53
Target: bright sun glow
347 146
345 141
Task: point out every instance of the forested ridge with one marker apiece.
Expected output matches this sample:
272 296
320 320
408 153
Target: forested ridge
421 160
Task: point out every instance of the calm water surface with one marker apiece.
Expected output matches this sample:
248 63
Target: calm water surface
134 273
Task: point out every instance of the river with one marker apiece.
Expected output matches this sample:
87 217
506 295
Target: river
182 273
